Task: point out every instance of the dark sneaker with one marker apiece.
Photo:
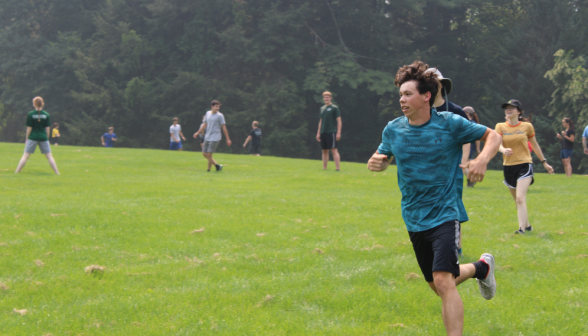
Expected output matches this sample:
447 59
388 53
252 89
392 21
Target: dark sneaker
488 285
519 231
529 228
208 171
473 184
219 167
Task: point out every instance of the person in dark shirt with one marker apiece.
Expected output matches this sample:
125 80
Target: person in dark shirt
567 138
37 133
255 138
442 104
474 146
329 130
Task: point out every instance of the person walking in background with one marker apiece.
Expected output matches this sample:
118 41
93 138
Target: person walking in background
55 134
214 121
427 144
585 140
255 138
108 138
201 135
567 138
517 161
37 133
474 146
175 132
329 130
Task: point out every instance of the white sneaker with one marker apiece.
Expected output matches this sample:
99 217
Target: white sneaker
488 285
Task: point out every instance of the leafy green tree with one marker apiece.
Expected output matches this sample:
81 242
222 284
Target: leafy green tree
570 99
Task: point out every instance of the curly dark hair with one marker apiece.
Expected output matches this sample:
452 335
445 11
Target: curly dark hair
426 81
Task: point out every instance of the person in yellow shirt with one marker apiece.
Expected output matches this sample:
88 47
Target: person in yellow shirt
55 134
517 161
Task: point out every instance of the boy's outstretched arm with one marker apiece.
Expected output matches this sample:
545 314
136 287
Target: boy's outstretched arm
478 166
227 135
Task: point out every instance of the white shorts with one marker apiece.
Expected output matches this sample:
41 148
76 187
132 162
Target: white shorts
31 145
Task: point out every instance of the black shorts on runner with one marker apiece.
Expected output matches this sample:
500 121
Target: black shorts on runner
328 140
254 149
436 249
513 174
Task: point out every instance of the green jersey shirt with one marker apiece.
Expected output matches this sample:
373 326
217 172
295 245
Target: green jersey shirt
38 120
329 115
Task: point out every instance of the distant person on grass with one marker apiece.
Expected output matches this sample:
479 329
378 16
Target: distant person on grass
474 146
329 130
214 121
428 146
38 126
255 138
567 137
585 140
55 134
108 138
517 161
175 132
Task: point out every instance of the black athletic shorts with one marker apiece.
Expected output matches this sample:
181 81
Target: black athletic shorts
436 249
328 140
513 174
254 149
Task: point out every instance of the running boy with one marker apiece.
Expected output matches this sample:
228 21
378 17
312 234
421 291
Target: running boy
214 121
427 145
255 138
175 132
329 130
108 138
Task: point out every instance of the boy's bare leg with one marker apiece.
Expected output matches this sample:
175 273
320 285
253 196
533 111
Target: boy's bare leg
23 162
452 304
52 163
325 158
336 157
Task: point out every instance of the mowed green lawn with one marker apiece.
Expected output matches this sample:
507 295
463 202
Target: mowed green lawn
286 249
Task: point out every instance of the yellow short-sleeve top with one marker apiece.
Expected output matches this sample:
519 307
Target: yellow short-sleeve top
516 138
55 133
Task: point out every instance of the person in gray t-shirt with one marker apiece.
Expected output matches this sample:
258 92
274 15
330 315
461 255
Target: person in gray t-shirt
213 122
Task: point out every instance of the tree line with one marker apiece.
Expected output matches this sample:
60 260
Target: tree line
135 64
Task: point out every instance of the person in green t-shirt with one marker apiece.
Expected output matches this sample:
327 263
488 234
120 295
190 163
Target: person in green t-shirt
329 130
38 126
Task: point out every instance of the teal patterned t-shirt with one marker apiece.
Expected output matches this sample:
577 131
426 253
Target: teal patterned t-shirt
427 158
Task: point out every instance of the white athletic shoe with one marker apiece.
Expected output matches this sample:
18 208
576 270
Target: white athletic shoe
488 285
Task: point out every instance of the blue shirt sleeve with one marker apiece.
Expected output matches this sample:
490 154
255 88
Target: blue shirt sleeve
386 145
114 136
465 131
585 135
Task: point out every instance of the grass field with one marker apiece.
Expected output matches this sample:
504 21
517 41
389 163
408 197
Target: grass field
287 249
